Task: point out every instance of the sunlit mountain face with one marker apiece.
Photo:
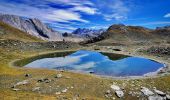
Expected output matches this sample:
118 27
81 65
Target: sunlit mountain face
68 15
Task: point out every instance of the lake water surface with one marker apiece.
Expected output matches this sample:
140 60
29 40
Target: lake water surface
99 63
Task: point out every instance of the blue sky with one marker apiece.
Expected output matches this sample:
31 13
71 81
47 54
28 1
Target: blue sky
67 15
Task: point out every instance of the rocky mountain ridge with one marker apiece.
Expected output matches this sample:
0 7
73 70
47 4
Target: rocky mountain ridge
33 27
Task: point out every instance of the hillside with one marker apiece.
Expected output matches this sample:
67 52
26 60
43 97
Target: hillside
32 26
9 32
121 34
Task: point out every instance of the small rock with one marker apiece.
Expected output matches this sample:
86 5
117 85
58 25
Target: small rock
108 92
146 91
119 93
27 75
64 91
91 72
159 92
57 93
36 89
115 87
58 76
15 89
40 80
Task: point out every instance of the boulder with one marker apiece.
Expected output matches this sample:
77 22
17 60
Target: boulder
24 82
155 98
159 92
119 93
115 87
146 91
167 97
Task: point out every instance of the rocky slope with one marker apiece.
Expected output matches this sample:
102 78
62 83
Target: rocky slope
120 31
121 34
33 27
8 32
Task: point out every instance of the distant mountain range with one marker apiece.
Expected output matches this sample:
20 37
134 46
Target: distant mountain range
116 32
84 32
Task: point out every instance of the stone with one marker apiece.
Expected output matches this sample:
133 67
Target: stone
27 75
115 87
146 91
167 97
64 91
24 82
108 92
40 80
15 89
159 92
155 98
58 93
119 93
58 76
36 89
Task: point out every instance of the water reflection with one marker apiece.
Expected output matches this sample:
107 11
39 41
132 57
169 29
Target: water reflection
99 63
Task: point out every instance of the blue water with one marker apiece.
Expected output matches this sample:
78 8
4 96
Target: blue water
90 61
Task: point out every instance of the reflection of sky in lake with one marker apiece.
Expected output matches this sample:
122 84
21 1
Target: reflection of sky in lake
90 61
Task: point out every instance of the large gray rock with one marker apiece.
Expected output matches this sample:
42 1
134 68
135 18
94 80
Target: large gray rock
115 87
167 97
155 98
146 91
159 92
117 90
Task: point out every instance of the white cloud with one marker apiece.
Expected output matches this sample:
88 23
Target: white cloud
85 9
167 15
116 16
116 9
65 16
43 11
84 66
56 62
